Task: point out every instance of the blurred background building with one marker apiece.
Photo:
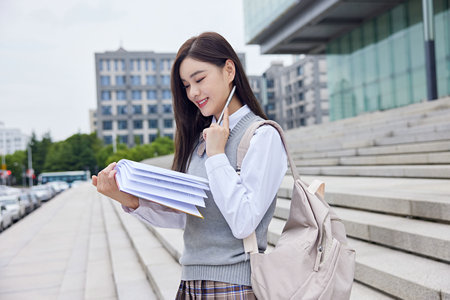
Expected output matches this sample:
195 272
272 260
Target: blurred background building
12 140
375 50
134 101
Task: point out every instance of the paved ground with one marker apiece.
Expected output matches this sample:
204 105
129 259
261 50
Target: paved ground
58 252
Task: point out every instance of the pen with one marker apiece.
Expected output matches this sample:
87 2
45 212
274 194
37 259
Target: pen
226 104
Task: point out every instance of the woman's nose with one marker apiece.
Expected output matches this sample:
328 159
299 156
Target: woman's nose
193 92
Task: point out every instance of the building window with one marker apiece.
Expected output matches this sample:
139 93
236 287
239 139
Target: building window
270 83
152 109
146 65
123 139
166 94
138 139
270 95
121 95
137 124
289 112
107 65
299 109
136 95
167 108
137 109
300 83
107 140
106 95
105 80
135 80
138 64
107 125
151 95
290 124
116 65
152 123
168 123
151 79
288 100
121 109
106 110
153 65
100 64
152 137
288 89
131 64
169 135
300 97
120 80
299 70
123 64
122 124
165 80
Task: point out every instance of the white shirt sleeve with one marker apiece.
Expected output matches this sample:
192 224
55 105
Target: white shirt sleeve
244 200
157 215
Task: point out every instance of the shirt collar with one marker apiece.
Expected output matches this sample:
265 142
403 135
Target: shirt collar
236 116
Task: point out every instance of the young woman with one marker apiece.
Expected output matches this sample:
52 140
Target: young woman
214 263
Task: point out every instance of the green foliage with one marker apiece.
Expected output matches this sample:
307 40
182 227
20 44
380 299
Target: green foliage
80 152
17 163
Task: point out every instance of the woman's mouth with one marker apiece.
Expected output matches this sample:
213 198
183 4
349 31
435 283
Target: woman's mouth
202 102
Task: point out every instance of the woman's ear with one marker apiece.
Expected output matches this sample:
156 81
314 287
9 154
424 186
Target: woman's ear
230 70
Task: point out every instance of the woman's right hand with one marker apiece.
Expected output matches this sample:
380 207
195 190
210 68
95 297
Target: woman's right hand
106 184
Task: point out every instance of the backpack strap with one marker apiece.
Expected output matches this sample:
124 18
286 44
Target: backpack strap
245 143
250 242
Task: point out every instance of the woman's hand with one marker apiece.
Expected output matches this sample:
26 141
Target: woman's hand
216 136
106 184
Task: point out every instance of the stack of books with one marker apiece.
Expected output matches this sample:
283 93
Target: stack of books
173 189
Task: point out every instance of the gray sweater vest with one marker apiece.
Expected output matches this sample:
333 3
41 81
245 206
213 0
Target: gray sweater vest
211 251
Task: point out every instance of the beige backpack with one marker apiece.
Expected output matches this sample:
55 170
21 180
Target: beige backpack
311 259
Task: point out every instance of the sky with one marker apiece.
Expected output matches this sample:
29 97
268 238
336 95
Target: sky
47 72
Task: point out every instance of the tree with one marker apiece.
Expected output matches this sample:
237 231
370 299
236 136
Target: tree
16 162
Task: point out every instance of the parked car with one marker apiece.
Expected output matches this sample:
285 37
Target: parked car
42 192
77 183
5 217
14 206
34 199
26 199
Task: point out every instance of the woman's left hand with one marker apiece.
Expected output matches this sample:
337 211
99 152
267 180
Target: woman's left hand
216 136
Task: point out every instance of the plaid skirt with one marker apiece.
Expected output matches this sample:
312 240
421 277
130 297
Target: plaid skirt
206 289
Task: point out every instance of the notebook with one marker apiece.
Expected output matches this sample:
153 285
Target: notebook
180 191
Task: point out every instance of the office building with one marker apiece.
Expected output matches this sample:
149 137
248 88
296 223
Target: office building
296 95
12 140
134 101
375 50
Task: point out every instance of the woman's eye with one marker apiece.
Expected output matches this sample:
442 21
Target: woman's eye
200 80
186 86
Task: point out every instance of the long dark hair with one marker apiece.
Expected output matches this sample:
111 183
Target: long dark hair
212 48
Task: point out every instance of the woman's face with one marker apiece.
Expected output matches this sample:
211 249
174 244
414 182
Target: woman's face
206 84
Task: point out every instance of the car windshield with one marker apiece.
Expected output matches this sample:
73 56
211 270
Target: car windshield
39 188
8 202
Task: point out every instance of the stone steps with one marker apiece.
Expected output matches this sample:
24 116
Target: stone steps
129 277
397 171
98 260
379 160
395 272
426 147
162 269
427 199
416 236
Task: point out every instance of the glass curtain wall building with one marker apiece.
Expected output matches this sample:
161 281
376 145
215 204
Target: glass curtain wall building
375 49
381 64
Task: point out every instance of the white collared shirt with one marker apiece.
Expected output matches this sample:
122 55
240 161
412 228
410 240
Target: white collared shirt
242 199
